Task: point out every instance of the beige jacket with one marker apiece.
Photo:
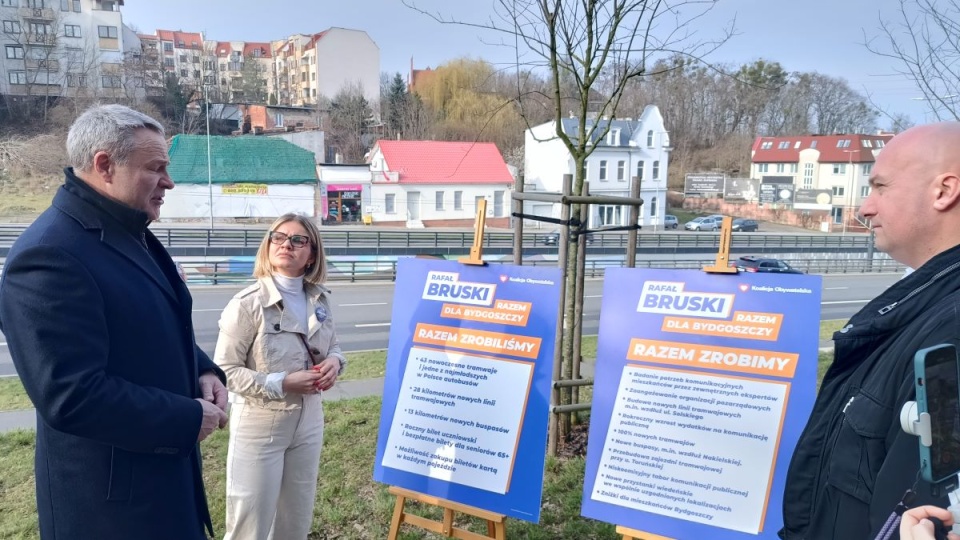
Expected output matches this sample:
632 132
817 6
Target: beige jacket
256 340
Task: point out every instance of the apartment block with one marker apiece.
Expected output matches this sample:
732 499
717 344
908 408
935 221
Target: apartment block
309 67
66 48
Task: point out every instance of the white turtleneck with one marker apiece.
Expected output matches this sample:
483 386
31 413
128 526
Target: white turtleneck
294 305
294 298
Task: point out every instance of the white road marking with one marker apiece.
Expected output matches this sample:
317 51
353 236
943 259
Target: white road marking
835 288
369 325
360 305
845 302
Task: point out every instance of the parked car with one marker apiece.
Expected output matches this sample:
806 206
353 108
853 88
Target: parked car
670 222
553 238
749 263
745 225
703 223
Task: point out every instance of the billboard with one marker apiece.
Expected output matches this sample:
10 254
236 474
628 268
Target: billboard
703 185
741 189
776 190
813 199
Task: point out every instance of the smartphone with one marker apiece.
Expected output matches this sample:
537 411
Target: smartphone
938 394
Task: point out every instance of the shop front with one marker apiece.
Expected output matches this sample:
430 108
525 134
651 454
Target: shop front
342 203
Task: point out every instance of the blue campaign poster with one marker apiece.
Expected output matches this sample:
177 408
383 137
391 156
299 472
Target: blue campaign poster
467 386
703 384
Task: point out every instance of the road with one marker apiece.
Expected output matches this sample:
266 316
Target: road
362 311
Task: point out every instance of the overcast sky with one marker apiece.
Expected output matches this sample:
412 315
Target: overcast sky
815 35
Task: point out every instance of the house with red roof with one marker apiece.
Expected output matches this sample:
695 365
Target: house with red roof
437 183
839 163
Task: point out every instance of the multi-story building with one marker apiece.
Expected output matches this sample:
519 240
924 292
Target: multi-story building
638 148
239 71
66 48
839 163
311 67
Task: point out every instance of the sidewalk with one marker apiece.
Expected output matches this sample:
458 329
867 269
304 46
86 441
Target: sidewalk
27 418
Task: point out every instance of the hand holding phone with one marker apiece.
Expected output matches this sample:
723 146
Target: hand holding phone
937 381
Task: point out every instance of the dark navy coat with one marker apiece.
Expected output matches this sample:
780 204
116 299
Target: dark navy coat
98 323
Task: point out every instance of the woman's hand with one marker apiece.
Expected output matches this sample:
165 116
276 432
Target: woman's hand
301 382
327 371
916 526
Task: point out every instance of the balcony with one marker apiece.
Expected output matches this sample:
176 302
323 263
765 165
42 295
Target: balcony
36 14
46 64
48 40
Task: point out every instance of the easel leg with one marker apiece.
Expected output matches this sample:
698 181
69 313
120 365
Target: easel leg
397 518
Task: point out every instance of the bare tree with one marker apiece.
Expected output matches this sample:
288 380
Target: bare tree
350 123
925 42
587 46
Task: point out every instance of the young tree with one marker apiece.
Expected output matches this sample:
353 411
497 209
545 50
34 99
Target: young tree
925 42
577 42
252 85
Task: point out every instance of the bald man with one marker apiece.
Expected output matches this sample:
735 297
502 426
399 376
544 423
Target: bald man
853 462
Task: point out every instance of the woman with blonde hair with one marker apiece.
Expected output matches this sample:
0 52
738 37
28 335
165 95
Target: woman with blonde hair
279 349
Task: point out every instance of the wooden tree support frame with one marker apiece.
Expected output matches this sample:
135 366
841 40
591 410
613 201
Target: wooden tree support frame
722 263
476 251
633 534
496 525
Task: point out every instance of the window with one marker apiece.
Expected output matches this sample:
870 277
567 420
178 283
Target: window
603 170
879 144
838 191
621 169
110 81
11 27
306 92
793 168
168 62
783 145
196 74
497 204
781 167
75 80
107 32
813 144
278 120
208 79
9 3
843 143
864 191
64 5
257 53
439 200
14 52
76 6
196 59
839 168
763 167
458 200
223 67
209 65
808 176
17 77
656 170
867 143
183 73
183 59
766 145
40 28
36 4
653 207
640 170
650 139
71 30
390 204
867 168
837 215
168 47
74 58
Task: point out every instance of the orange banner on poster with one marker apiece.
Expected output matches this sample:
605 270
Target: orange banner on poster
745 324
477 340
754 361
503 312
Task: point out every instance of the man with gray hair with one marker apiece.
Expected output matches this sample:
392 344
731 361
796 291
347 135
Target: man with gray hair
98 323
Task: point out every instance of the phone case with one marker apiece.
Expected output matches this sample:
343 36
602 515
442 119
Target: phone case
919 381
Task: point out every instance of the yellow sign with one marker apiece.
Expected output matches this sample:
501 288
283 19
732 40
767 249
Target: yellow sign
244 189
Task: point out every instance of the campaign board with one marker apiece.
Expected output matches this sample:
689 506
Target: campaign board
467 384
703 385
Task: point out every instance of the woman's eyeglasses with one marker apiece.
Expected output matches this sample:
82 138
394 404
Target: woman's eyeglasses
296 240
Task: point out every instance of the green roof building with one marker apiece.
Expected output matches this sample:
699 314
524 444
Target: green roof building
248 177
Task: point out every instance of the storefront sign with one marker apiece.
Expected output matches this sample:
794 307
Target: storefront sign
244 189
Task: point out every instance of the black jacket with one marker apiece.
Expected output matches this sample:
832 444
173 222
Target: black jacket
853 462
99 326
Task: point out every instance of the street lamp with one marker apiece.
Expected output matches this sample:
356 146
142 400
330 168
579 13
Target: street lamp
849 198
206 102
662 177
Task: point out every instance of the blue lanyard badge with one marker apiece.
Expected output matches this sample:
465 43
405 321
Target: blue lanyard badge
320 313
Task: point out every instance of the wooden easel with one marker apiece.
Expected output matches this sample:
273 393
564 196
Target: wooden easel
496 526
476 251
722 263
633 534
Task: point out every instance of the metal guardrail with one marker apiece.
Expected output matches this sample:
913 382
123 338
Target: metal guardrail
352 271
387 239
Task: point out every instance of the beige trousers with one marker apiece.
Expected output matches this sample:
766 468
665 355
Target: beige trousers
272 466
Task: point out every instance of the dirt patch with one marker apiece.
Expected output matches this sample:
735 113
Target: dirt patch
576 443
